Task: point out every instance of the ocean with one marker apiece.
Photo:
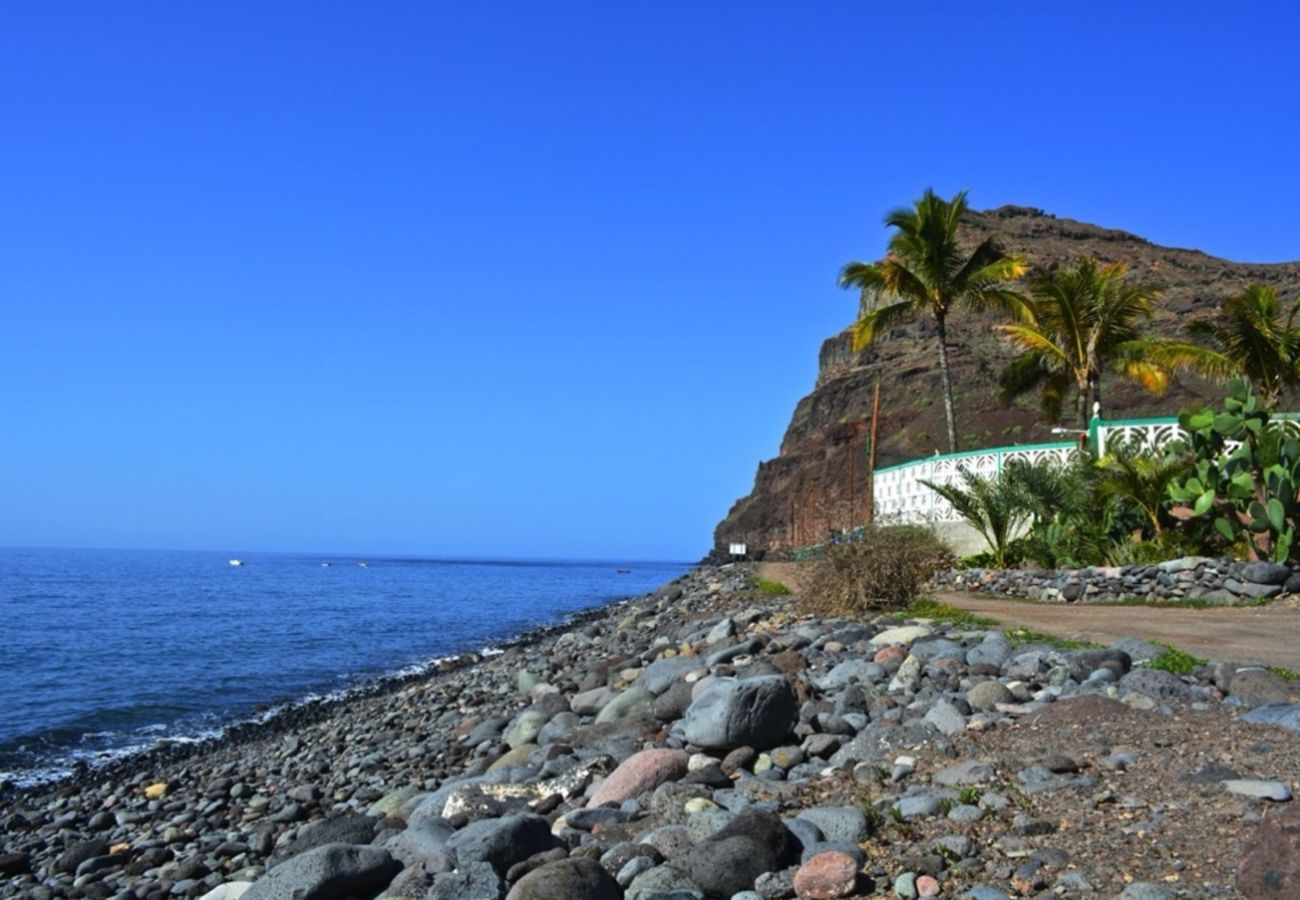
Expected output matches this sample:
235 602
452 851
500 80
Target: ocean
106 652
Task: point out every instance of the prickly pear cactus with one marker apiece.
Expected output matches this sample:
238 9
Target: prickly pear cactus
1245 481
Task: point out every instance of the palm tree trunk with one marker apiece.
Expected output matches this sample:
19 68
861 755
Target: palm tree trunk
1083 406
947 382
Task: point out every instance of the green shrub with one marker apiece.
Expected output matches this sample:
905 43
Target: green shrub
880 571
1179 662
769 588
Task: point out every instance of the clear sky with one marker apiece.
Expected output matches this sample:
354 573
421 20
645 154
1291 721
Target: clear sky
534 279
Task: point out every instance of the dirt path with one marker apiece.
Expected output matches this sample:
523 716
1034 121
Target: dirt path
1267 634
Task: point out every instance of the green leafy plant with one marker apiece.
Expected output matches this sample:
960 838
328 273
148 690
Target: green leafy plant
769 588
1085 320
925 608
928 272
1252 336
1177 661
1245 477
992 505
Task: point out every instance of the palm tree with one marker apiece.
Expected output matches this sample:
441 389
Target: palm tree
926 272
1247 337
1085 320
1129 475
993 505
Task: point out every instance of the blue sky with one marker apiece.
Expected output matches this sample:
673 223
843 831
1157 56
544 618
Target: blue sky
533 279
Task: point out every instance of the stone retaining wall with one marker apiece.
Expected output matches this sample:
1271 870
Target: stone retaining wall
1219 581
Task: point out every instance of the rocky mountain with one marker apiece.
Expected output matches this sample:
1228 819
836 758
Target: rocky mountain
817 483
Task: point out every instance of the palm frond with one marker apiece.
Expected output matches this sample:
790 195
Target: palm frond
879 320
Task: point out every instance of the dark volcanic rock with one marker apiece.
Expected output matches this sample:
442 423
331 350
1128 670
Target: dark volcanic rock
503 842
568 879
751 844
754 712
331 872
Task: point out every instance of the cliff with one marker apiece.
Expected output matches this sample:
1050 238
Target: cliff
817 483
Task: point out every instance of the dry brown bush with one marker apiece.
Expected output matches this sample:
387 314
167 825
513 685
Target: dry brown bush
881 571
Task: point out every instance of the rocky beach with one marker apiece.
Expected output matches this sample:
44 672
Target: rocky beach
706 741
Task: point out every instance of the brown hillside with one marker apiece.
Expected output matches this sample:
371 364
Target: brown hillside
812 485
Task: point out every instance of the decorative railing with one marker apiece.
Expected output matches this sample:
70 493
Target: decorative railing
900 497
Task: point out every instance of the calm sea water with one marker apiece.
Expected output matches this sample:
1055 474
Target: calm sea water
106 651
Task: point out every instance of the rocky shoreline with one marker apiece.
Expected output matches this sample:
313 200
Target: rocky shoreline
704 741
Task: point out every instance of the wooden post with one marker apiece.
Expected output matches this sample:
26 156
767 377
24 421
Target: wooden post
871 460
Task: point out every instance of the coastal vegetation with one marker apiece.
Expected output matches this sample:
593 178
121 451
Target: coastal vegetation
881 570
1230 487
1085 320
927 272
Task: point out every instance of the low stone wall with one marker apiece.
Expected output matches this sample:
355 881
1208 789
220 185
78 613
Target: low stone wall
1219 581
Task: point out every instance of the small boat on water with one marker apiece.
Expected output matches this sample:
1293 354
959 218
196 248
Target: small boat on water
363 564
235 562
622 571
325 565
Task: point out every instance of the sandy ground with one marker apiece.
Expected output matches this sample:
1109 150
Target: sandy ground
1263 634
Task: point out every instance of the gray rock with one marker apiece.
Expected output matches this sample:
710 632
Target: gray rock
663 879
992 651
352 828
860 670
972 771
753 843
1265 573
330 872
420 841
722 631
946 718
919 806
635 701
982 892
839 823
525 729
503 842
1284 715
1137 649
1145 890
987 695
1158 685
470 881
568 879
1254 787
662 674
588 703
755 712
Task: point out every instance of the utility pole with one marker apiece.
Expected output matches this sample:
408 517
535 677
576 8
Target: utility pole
871 459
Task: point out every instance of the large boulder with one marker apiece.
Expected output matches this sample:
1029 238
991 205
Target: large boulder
752 843
567 879
330 872
1158 685
639 773
756 712
503 842
1269 863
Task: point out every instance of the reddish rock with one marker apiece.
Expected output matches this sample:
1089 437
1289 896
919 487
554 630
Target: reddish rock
887 655
827 876
639 773
927 887
788 662
1268 867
